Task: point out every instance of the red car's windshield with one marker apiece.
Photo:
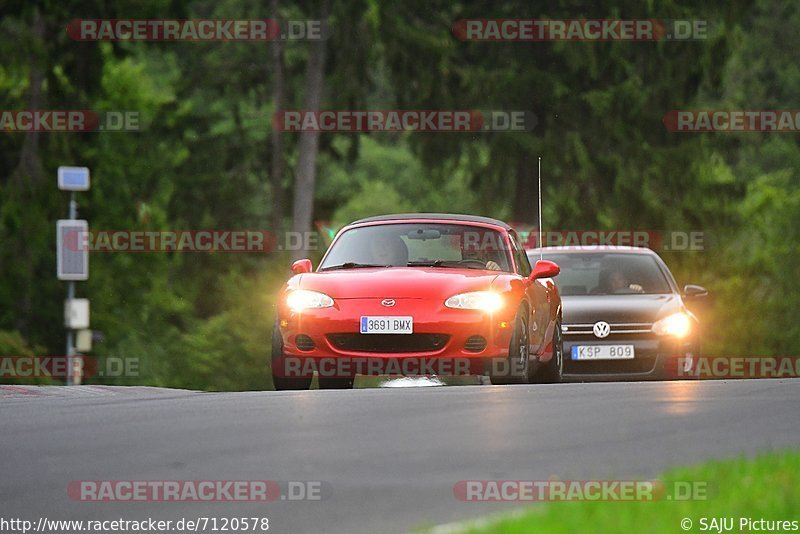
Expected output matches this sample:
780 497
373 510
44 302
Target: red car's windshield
420 244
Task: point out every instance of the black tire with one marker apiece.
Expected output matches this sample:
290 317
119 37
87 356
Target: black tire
283 383
553 371
518 351
336 383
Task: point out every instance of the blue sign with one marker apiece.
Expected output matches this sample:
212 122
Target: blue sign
73 178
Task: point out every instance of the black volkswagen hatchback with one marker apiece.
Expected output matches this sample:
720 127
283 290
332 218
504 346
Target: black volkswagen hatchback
623 314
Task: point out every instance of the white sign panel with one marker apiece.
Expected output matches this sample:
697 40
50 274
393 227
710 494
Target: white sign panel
76 314
72 254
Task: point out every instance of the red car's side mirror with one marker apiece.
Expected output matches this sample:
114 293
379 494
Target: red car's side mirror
544 269
301 266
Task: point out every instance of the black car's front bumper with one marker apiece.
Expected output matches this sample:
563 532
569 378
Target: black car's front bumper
655 358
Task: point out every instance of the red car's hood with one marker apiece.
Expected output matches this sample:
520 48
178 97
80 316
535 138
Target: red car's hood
397 282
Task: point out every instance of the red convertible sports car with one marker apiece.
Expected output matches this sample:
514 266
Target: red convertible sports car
420 294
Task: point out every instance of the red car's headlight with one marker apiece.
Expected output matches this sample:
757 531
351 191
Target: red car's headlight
488 301
303 299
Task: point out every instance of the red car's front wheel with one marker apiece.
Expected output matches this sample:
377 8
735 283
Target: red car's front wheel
516 370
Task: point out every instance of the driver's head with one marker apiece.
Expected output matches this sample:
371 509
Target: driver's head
471 248
473 254
389 250
617 280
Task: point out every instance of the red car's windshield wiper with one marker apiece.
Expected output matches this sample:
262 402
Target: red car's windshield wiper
351 265
442 263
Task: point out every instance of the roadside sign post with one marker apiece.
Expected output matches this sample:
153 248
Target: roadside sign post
72 262
70 344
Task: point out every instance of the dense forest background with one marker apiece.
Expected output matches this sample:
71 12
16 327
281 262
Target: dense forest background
208 158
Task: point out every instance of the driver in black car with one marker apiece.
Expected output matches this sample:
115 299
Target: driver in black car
618 283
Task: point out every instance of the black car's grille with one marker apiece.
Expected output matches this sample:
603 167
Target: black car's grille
617 329
475 344
304 342
389 343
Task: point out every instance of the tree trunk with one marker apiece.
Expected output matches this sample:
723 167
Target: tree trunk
29 170
279 96
308 146
28 177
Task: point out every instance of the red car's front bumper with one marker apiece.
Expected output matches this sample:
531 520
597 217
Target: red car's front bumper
443 338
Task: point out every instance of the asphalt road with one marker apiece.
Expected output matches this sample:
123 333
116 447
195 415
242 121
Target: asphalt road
388 458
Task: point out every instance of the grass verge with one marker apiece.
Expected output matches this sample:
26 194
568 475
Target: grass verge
765 487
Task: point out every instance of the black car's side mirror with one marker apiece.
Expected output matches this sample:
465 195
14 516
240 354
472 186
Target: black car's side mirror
694 292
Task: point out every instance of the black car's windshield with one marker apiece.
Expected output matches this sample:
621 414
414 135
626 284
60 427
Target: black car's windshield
608 273
438 245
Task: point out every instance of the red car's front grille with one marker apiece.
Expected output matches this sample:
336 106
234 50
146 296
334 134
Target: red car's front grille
388 343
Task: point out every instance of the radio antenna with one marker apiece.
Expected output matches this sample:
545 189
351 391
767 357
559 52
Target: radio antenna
541 234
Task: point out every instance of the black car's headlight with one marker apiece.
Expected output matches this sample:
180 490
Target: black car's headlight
676 325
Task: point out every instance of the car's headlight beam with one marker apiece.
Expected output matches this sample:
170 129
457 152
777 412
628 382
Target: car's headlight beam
676 325
488 301
304 299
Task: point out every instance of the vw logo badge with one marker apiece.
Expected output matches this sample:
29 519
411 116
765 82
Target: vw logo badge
387 302
601 329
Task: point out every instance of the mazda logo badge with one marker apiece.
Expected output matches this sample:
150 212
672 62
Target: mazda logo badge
387 302
601 329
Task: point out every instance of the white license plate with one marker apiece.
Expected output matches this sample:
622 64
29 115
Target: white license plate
602 352
387 325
